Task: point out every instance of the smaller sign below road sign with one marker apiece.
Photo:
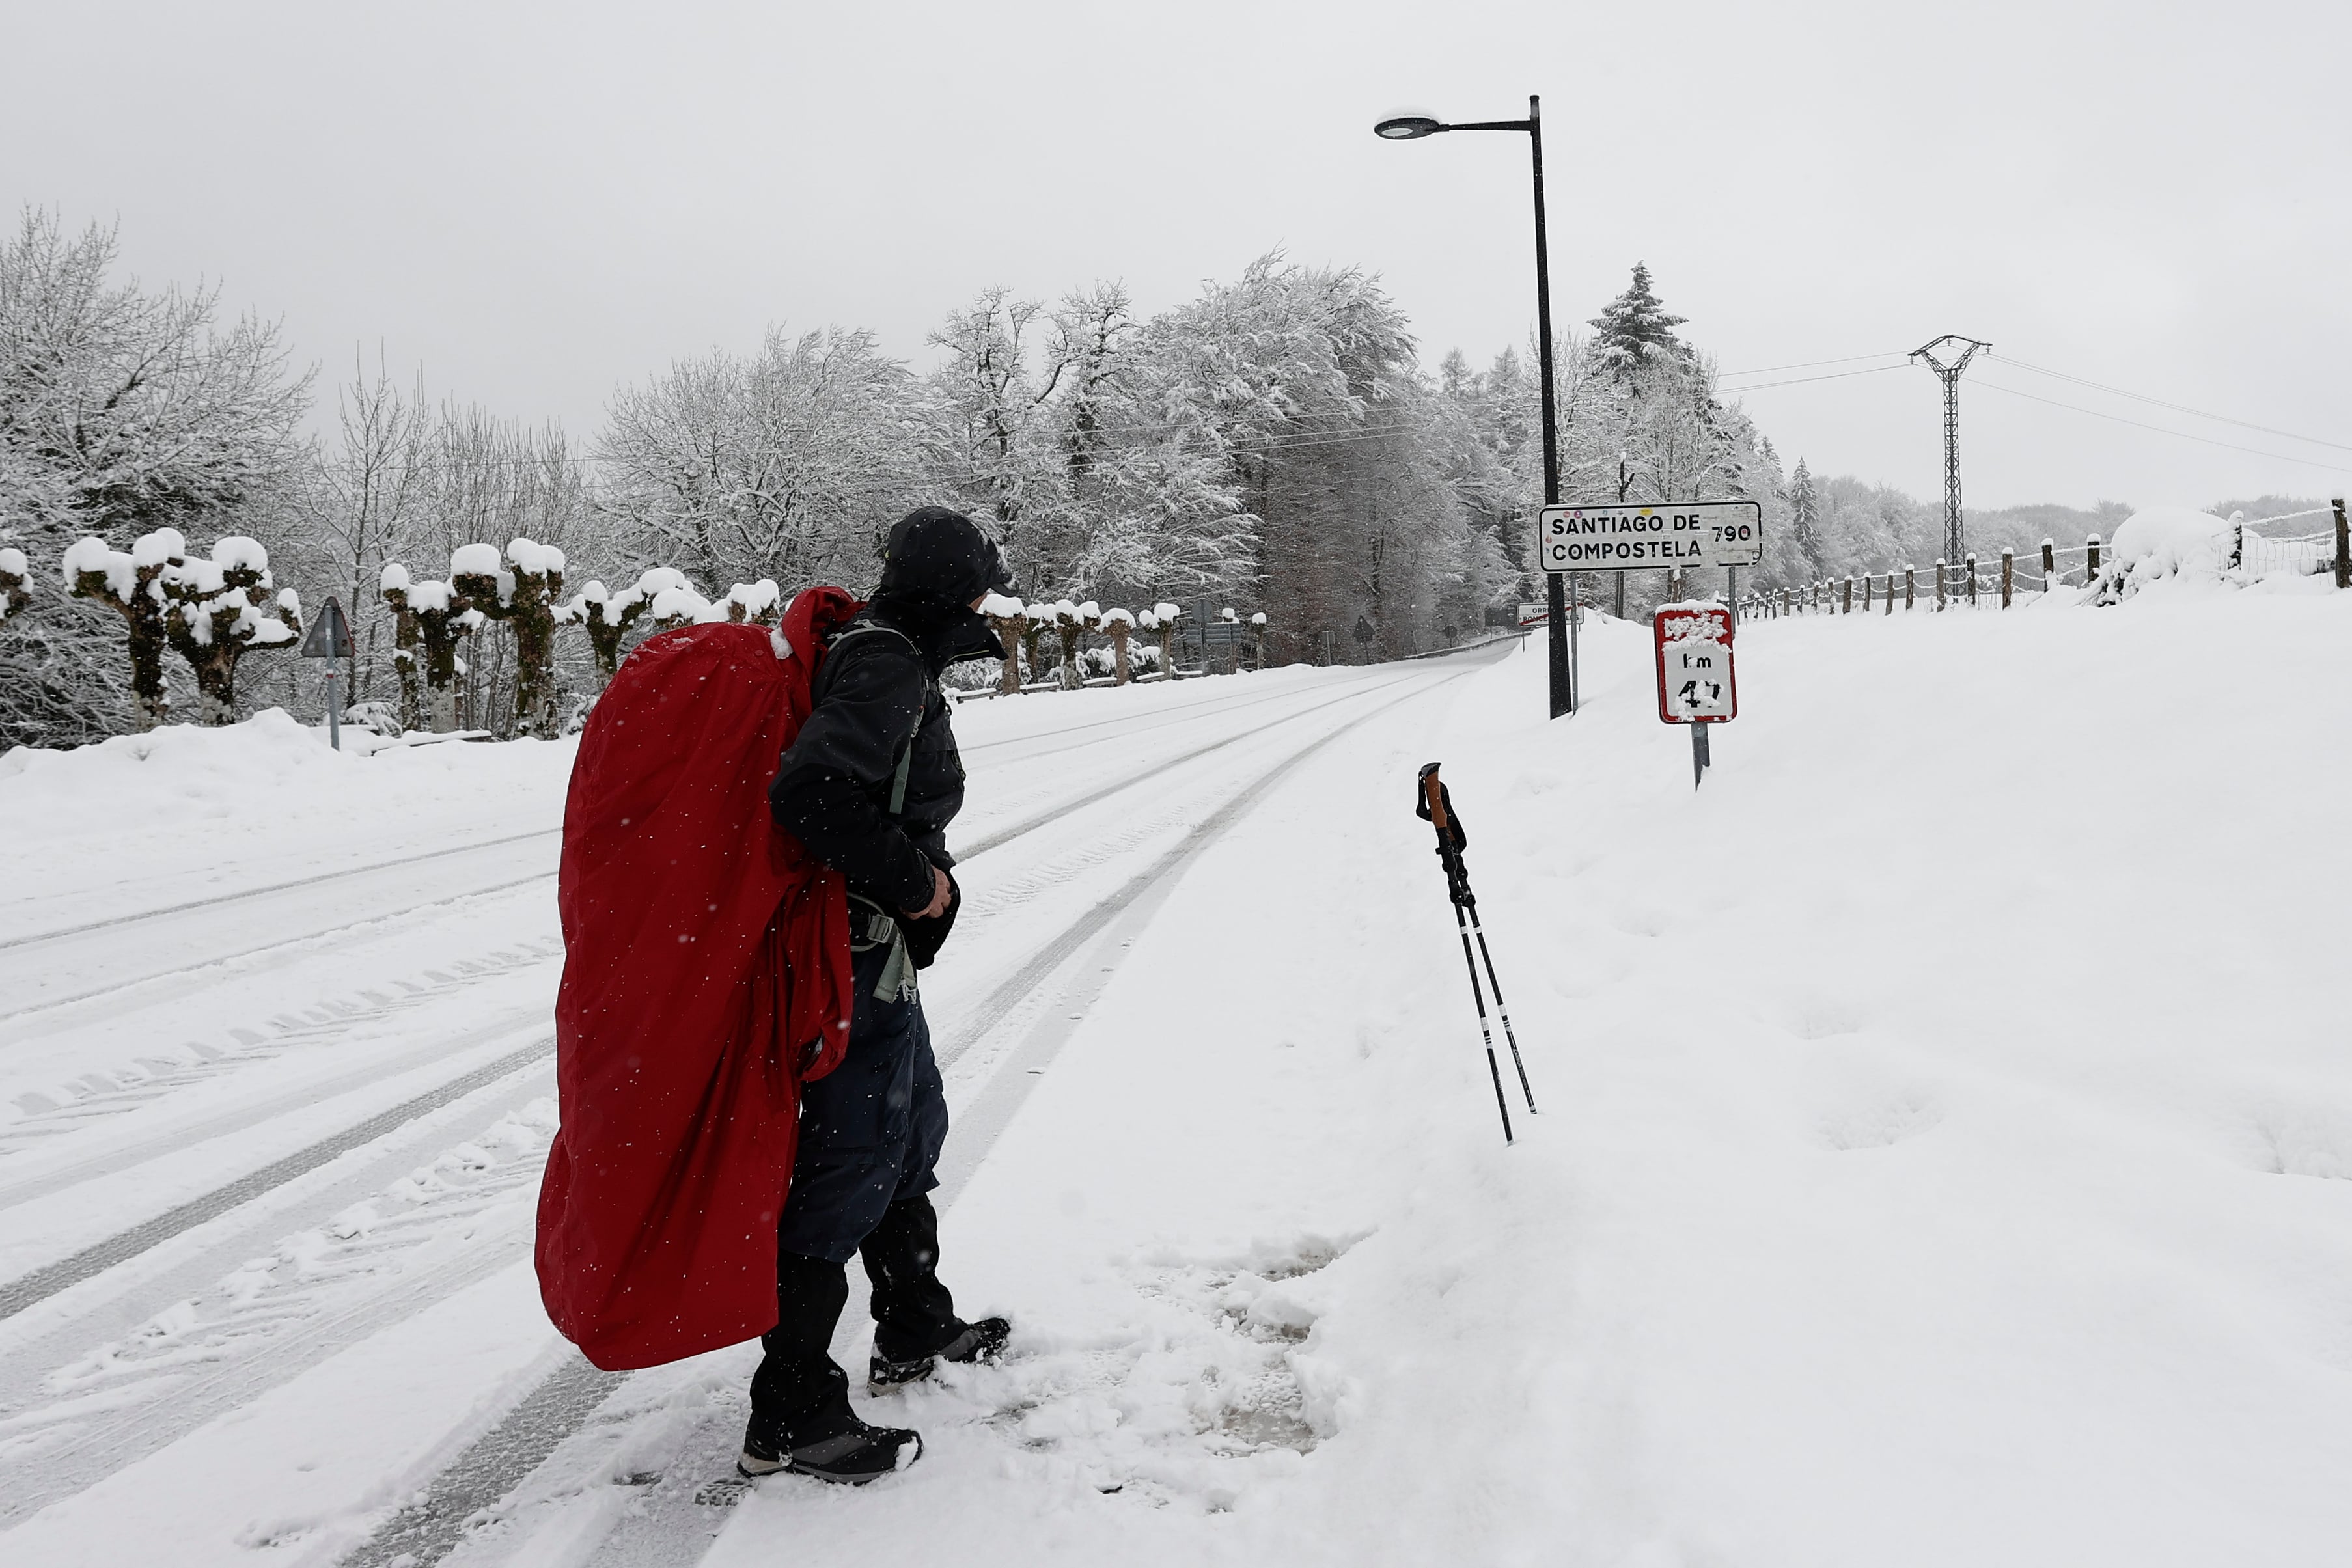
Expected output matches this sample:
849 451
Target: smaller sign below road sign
1694 678
1628 539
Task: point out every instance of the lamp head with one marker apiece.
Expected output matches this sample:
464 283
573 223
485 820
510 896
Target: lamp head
1407 127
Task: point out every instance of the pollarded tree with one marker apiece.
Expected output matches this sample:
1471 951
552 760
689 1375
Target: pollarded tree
393 582
1118 623
1071 622
438 615
220 610
521 590
16 589
1008 617
607 616
132 586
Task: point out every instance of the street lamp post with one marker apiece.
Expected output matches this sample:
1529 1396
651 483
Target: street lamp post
1412 127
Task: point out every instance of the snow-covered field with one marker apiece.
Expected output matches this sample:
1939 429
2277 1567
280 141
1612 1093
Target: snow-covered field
1944 1157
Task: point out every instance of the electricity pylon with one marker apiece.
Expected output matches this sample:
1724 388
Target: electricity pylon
1955 543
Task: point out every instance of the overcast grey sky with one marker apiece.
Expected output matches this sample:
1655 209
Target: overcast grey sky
536 201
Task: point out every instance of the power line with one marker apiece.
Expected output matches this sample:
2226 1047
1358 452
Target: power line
2177 407
2160 430
1799 381
1811 364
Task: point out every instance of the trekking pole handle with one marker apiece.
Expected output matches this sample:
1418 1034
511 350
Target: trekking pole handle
1433 792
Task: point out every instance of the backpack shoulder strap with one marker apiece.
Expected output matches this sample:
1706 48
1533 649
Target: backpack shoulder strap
907 752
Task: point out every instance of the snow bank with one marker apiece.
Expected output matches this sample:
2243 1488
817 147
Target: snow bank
2168 540
188 806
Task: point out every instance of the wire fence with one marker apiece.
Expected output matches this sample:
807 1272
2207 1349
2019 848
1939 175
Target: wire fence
1974 582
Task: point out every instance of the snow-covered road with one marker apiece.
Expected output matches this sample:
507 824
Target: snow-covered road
1946 1156
218 1086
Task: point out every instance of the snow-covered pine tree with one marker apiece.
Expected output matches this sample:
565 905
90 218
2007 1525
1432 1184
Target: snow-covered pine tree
1635 329
1804 518
220 610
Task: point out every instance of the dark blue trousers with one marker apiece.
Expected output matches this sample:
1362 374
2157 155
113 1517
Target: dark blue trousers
870 1134
871 1129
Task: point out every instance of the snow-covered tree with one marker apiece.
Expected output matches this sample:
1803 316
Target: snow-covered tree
1635 329
1117 623
15 585
1804 517
521 589
124 412
1008 617
220 610
787 463
131 584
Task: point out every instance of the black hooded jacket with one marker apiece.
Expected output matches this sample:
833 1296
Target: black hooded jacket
832 791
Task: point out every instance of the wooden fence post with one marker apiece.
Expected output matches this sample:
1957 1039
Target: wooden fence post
2343 547
1939 584
2049 565
1910 586
1972 579
1890 591
2094 559
1847 609
2008 571
1866 593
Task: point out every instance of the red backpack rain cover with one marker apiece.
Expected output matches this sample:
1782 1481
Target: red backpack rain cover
705 952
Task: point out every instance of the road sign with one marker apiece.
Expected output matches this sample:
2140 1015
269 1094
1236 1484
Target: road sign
1629 538
1695 676
330 636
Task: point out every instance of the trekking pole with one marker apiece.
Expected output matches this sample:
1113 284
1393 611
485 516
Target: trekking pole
1435 805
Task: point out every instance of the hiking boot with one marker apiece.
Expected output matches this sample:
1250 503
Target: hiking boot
981 1342
853 1458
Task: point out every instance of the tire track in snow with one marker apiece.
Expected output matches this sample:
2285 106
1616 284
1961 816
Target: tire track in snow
16 1295
115 921
118 989
422 1533
62 1109
578 1384
450 1221
27 1289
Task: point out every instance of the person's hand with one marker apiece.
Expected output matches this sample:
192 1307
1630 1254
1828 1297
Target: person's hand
942 890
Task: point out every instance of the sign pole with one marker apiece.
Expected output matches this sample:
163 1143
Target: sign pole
1700 761
334 728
